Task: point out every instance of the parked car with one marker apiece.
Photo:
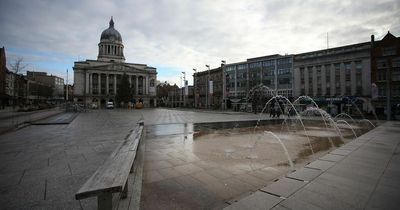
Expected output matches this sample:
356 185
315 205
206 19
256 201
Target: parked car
110 105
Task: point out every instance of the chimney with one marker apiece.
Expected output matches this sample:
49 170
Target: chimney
372 40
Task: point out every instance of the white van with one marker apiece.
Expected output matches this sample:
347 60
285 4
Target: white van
110 105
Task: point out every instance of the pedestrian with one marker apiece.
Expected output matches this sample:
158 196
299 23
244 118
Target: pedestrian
276 110
271 112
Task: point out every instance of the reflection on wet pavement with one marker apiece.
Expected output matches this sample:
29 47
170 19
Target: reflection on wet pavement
208 165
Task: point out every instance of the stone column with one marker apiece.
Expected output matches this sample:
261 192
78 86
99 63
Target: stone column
333 80
342 79
87 82
91 84
137 85
99 83
130 80
115 84
353 81
147 85
323 80
107 85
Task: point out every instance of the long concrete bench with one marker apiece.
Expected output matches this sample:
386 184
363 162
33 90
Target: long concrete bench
112 176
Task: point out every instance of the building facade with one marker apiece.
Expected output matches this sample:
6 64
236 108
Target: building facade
208 88
54 82
3 73
96 81
334 76
385 74
274 72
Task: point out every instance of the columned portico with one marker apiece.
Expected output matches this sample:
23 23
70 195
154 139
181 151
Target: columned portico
97 80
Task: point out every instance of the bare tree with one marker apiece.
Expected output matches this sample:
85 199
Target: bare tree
17 66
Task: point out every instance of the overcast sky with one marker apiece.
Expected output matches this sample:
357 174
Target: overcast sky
179 35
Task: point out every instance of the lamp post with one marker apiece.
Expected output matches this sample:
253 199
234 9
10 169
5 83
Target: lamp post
184 89
208 87
194 84
223 85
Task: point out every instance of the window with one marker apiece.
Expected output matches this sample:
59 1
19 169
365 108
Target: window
389 51
254 65
396 90
328 73
381 91
348 88
284 81
396 74
302 75
396 62
241 66
381 64
152 83
381 74
268 63
347 71
337 74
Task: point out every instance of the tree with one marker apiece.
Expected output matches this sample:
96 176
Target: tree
17 67
124 93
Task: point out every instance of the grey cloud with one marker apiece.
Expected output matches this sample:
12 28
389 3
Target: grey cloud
187 34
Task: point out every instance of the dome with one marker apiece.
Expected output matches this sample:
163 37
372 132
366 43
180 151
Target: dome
110 33
110 46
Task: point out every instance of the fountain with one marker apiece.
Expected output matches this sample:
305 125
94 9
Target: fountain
283 146
345 122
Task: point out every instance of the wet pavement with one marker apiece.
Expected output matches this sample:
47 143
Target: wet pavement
42 166
362 174
10 120
201 166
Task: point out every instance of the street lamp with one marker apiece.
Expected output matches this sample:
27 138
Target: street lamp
223 84
183 89
208 87
194 84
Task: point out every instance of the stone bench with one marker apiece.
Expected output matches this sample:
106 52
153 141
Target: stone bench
112 176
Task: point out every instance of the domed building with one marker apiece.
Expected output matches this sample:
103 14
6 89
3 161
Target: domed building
96 81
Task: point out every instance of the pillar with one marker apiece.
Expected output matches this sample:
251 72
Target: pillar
137 85
115 84
147 85
99 82
107 85
87 83
91 84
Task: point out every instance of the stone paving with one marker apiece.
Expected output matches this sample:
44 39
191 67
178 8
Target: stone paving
363 174
42 166
10 120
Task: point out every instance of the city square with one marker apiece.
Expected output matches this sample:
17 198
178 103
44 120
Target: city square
199 105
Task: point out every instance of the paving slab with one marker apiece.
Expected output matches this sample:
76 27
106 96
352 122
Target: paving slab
305 174
321 165
284 187
258 200
331 157
340 152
